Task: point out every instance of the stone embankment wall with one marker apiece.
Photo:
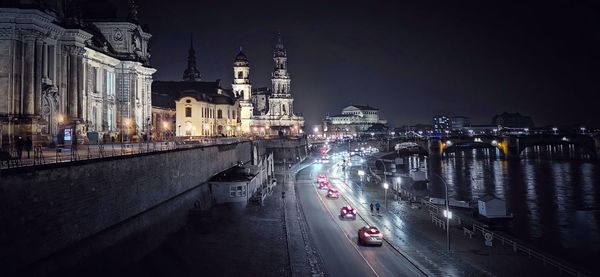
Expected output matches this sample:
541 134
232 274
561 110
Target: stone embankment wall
290 150
59 214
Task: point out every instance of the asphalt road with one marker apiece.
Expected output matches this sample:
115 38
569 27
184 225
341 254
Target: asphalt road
336 239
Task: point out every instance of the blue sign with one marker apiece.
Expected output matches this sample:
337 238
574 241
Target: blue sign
68 134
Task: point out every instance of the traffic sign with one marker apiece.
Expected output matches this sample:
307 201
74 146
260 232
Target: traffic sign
488 239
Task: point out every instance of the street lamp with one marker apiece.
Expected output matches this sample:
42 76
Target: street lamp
555 130
165 129
127 125
447 212
385 186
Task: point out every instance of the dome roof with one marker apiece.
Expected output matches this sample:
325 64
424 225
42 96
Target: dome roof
241 59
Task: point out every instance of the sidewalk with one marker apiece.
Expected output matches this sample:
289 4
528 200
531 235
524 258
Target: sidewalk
410 228
303 257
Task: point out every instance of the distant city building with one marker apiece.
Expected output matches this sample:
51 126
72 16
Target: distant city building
482 130
441 124
66 70
459 123
378 129
417 130
206 109
512 120
192 107
354 120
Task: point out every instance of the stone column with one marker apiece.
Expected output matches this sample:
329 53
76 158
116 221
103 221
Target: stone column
28 77
38 77
62 77
80 84
45 59
72 85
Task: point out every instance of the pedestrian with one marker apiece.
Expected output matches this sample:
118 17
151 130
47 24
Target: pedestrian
377 206
371 207
19 146
28 146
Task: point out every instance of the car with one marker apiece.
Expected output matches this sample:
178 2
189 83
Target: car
321 178
348 212
324 185
325 159
369 235
333 193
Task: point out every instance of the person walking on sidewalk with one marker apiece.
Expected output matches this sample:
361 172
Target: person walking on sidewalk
371 207
28 146
377 206
19 147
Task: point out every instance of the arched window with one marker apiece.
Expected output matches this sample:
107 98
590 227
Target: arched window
219 114
284 111
240 75
188 112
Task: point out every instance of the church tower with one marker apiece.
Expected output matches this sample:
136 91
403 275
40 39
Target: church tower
242 89
191 73
281 101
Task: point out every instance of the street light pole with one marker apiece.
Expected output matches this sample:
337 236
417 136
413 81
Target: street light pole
385 186
447 212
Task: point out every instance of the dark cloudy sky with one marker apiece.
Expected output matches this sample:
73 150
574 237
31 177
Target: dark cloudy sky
411 59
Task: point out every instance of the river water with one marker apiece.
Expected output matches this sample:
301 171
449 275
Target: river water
553 194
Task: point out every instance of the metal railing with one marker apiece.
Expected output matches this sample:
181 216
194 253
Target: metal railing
517 246
62 154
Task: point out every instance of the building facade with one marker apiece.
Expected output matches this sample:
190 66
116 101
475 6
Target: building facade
441 124
354 120
512 120
62 73
460 123
196 108
267 111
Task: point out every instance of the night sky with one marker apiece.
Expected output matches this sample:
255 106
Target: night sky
410 59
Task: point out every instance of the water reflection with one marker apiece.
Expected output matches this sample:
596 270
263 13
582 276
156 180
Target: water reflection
555 200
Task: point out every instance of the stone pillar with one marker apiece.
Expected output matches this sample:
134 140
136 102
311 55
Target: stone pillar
28 77
510 147
72 86
39 47
45 59
433 145
63 77
80 84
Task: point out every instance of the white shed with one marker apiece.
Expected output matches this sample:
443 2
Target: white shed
492 207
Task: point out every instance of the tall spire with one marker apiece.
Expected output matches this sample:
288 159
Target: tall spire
191 73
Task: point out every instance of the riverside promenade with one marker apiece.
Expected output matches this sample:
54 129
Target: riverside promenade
419 231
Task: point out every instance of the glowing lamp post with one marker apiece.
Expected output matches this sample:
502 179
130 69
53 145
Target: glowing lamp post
127 126
165 129
447 213
385 187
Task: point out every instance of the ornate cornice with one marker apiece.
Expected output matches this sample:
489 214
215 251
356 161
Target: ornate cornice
72 50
